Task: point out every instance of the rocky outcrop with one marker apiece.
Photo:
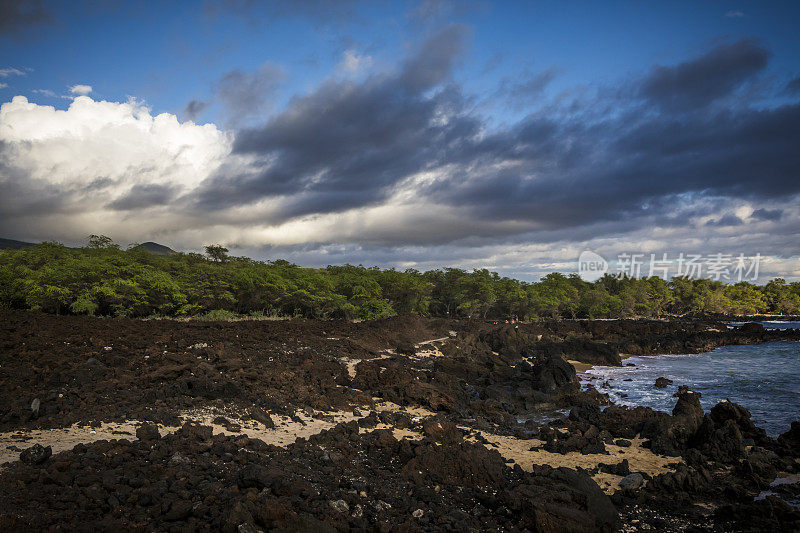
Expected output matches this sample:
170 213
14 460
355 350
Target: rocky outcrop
662 383
790 440
340 479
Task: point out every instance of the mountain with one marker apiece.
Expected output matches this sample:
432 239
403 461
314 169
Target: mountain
14 245
152 247
155 248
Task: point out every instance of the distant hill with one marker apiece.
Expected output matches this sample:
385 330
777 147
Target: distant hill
14 245
155 248
152 247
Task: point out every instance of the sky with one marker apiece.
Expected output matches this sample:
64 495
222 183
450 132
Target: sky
415 134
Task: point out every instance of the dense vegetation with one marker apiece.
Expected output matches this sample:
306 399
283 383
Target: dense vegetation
105 280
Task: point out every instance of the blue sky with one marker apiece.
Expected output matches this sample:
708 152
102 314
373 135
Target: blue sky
509 135
169 53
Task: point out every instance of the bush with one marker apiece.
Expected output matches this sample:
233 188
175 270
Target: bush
217 314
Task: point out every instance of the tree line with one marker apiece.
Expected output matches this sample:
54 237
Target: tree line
103 279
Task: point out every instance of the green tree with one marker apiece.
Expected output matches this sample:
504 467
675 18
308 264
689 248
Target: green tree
217 253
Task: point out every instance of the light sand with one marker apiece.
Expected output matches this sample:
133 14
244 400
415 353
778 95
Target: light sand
416 413
285 432
352 363
580 367
640 459
61 439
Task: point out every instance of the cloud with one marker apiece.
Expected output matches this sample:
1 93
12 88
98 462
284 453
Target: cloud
81 90
397 168
248 95
142 196
67 172
701 81
734 14
767 214
45 92
18 15
434 61
347 143
353 62
793 87
3 85
6 72
527 88
726 220
193 110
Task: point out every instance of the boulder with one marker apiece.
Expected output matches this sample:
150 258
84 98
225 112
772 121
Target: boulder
791 439
631 482
752 328
662 383
147 432
727 410
620 469
36 454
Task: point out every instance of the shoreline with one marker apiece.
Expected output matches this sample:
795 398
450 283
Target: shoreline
718 375
425 413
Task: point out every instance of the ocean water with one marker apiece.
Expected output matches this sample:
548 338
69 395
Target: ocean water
764 378
771 324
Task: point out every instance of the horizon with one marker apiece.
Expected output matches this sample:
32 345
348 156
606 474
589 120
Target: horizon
642 274
511 137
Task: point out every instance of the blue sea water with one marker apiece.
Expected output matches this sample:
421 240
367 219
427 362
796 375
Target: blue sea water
771 324
764 378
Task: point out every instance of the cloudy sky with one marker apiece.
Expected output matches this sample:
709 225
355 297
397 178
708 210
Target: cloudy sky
510 136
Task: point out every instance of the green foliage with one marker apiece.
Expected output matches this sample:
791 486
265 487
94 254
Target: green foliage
217 314
102 279
217 253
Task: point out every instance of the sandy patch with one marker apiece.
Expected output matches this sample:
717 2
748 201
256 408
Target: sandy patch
430 348
61 439
640 459
352 363
398 433
416 413
285 432
580 367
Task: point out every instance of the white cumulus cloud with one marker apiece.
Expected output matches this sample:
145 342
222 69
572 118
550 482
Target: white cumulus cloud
69 172
82 90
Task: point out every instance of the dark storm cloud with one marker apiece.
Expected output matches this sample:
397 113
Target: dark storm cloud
726 220
767 214
699 82
18 15
345 144
568 174
432 64
248 95
143 196
573 166
193 110
793 87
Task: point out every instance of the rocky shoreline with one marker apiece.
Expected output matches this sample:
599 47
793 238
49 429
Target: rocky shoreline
458 449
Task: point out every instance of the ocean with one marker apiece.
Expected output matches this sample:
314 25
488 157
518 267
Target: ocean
764 378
